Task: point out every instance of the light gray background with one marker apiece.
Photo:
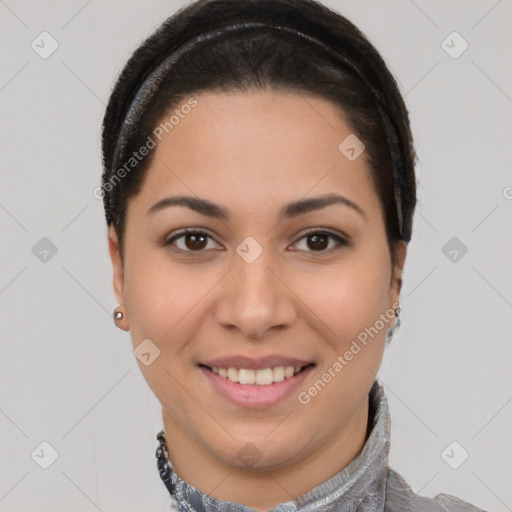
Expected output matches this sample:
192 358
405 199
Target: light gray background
68 375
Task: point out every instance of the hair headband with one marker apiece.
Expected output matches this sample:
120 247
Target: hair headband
152 82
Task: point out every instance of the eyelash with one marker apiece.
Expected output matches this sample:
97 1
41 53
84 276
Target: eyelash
342 242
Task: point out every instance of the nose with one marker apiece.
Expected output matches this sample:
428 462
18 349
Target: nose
255 299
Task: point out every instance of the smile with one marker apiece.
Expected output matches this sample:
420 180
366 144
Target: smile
260 388
262 377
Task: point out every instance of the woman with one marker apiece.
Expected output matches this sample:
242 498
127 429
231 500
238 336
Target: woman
259 191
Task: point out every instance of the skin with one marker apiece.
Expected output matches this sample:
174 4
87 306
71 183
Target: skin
252 153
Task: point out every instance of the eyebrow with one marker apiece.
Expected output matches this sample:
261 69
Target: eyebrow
291 210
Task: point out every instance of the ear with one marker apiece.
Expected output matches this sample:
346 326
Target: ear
400 248
117 264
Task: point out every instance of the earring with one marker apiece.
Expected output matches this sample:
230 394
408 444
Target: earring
391 331
118 315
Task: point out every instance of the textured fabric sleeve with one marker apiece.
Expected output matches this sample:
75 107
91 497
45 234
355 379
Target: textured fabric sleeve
453 504
401 498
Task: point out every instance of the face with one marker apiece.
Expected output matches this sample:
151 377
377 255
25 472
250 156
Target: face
309 285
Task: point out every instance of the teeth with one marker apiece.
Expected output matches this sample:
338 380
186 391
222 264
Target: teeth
233 374
278 374
289 371
262 377
246 376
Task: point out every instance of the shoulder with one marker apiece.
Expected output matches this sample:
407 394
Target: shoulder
400 497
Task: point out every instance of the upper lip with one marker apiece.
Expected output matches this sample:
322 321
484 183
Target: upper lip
255 363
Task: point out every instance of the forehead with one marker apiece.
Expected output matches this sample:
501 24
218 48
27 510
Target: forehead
257 146
232 124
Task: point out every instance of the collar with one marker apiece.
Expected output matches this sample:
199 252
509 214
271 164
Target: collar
359 487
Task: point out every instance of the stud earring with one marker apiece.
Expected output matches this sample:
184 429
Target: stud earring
391 331
118 315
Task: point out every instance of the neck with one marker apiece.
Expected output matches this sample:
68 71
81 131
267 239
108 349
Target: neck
265 488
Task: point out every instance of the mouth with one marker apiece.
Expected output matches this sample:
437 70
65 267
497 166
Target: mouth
256 388
260 377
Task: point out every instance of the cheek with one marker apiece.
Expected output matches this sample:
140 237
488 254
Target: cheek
342 299
163 300
348 298
348 304
160 296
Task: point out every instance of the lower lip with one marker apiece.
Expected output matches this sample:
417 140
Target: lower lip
253 395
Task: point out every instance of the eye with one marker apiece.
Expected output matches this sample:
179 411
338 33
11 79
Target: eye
192 240
318 241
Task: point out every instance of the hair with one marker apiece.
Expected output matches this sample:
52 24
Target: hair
259 59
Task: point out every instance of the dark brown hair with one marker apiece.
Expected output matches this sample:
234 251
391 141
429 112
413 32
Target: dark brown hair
263 59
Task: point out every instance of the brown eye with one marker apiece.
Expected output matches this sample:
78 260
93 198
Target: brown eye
190 241
195 241
318 241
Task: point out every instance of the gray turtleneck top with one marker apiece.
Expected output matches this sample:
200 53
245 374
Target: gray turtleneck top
367 484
